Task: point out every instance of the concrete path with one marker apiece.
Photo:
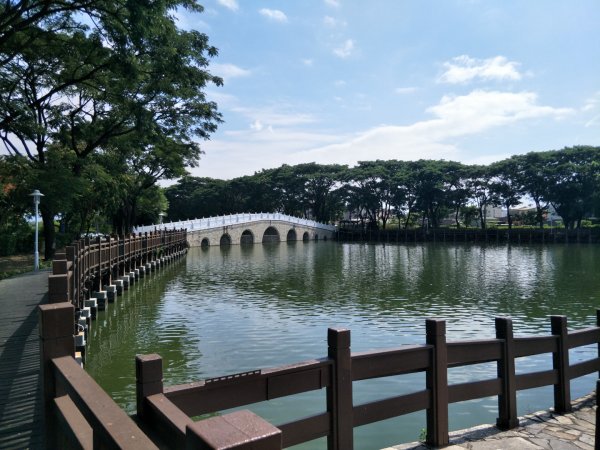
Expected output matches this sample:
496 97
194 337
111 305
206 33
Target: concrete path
20 389
541 430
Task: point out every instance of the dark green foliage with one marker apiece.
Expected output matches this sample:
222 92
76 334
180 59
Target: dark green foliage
98 101
420 192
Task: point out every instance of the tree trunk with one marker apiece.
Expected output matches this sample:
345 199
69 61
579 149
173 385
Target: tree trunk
482 218
49 232
508 217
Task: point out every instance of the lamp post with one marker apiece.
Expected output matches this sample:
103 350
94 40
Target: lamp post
161 215
37 195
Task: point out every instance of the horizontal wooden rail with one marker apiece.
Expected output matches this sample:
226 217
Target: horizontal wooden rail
535 345
397 361
391 407
89 265
112 427
473 390
474 352
584 368
77 433
229 392
306 429
584 337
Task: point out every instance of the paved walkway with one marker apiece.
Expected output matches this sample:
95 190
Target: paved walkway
20 389
541 430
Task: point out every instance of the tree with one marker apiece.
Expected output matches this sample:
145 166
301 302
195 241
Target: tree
480 183
531 171
573 174
506 186
133 86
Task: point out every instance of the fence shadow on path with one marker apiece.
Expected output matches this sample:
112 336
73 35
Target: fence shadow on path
21 412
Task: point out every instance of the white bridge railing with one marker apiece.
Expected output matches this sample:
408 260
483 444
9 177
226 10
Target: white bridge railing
233 219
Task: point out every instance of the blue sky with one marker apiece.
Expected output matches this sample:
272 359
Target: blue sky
339 81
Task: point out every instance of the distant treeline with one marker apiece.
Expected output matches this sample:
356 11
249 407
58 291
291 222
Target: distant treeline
416 193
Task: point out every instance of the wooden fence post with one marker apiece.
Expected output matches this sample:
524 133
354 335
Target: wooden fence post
56 329
507 400
560 362
339 394
437 384
149 380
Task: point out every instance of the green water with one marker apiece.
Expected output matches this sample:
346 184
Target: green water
223 311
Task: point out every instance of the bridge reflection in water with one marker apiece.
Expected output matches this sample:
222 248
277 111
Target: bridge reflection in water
247 228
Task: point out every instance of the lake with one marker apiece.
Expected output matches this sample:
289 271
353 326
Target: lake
227 310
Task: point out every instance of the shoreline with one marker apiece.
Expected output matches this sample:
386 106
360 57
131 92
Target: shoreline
539 430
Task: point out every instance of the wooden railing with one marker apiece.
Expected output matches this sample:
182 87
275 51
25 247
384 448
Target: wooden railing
90 266
169 409
78 414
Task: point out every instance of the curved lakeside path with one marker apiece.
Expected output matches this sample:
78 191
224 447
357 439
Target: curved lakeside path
539 430
21 414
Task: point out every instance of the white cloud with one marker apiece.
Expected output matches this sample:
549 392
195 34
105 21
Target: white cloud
454 117
594 121
257 125
274 14
334 3
273 117
228 71
592 103
464 69
345 50
406 90
333 22
188 20
276 136
307 62
339 83
229 4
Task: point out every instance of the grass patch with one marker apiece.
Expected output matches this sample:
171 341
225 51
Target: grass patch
13 265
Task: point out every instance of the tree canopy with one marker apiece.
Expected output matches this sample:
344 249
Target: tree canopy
426 191
99 100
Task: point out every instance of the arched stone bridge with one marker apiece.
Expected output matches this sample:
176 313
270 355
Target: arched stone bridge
247 228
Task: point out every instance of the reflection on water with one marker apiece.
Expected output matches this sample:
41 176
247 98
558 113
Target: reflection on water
241 308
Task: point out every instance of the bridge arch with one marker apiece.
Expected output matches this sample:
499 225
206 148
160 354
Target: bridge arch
291 236
271 235
205 243
225 240
305 236
247 238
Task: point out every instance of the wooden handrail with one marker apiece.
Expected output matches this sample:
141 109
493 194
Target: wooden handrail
183 401
89 265
112 427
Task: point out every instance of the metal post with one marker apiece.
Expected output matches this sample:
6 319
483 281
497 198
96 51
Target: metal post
36 194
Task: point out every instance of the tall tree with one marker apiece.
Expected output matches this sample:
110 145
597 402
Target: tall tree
480 183
506 185
573 183
134 83
531 172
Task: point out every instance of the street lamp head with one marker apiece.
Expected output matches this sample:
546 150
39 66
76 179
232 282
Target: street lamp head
36 196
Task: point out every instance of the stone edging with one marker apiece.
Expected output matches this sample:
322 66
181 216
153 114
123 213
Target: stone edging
536 430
